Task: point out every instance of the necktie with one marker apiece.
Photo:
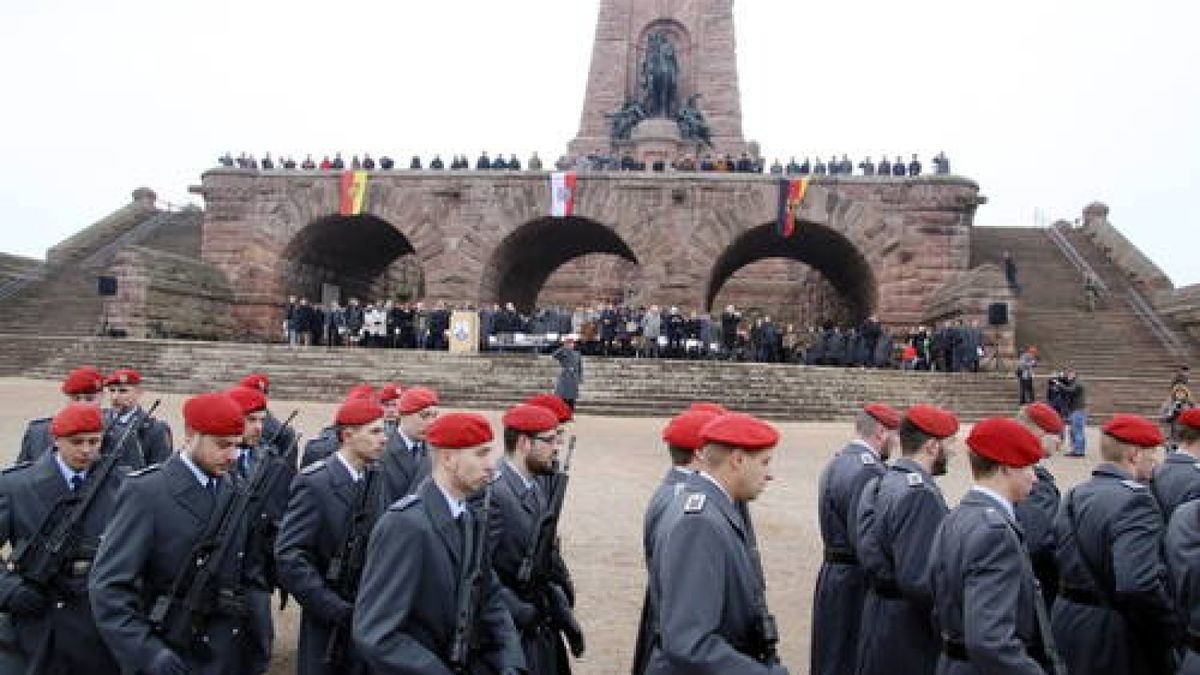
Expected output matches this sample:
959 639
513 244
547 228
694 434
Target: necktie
419 450
76 482
244 461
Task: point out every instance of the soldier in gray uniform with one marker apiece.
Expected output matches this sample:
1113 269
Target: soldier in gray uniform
285 438
406 616
985 596
315 531
406 460
1036 513
1114 613
1177 480
151 443
82 385
1182 547
706 579
162 512
54 628
841 585
898 514
567 385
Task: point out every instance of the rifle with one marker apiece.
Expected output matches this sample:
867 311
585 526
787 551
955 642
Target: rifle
470 588
345 570
282 428
768 633
40 558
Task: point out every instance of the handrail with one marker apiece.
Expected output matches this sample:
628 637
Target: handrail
105 253
1068 250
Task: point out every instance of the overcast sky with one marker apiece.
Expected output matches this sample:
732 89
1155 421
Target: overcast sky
1048 104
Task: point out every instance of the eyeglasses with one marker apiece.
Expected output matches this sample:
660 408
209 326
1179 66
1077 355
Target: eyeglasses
547 439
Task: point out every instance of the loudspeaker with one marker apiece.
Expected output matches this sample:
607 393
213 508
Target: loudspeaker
998 314
106 285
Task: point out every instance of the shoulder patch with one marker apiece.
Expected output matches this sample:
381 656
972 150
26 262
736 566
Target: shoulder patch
404 503
1133 485
145 471
18 466
915 480
694 502
867 458
313 468
678 488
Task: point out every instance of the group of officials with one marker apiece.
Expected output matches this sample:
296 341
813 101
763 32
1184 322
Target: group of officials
1018 578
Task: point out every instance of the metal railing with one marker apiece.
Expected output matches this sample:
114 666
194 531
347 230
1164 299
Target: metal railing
104 255
19 283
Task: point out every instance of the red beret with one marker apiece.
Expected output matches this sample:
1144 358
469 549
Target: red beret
417 399
1006 441
1045 417
214 414
933 420
363 391
258 381
123 376
357 411
1190 417
459 430
1135 430
250 400
739 431
554 404
389 392
707 406
530 419
84 380
77 418
884 414
683 431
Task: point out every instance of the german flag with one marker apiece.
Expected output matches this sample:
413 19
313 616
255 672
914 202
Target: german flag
791 194
353 193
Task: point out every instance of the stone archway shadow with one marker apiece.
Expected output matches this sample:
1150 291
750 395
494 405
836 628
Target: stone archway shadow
351 251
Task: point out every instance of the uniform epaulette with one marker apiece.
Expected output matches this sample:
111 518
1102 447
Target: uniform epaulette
145 471
314 467
41 420
679 487
694 502
994 518
867 459
915 480
18 466
404 503
1133 485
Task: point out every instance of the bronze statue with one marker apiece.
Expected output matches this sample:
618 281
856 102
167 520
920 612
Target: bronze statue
659 76
625 119
691 121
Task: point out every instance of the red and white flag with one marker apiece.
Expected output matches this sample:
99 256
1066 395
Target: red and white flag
562 193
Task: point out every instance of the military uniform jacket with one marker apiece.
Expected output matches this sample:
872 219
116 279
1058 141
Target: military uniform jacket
1114 613
1176 480
324 445
1035 515
161 513
64 639
405 615
672 484
402 471
898 514
567 386
841 584
36 441
984 591
1182 546
702 582
150 444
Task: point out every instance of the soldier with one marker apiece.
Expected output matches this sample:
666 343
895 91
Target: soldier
53 621
985 596
706 579
162 512
417 575
560 573
406 461
898 514
326 498
1182 548
272 428
1114 613
1036 513
841 585
571 376
1177 480
152 442
82 385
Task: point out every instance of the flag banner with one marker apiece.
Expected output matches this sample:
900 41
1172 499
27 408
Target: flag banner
353 193
791 195
562 193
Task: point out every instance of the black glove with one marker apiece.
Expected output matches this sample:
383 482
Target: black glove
167 662
343 614
28 601
524 615
564 620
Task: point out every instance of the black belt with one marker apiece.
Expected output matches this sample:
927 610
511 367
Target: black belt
955 649
887 589
840 556
1082 596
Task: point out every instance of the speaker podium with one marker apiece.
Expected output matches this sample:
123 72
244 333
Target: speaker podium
464 332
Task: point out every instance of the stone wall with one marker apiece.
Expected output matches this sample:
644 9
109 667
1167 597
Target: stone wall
1181 305
105 230
161 294
967 297
1139 269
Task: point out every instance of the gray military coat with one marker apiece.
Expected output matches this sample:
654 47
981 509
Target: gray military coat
1182 546
567 385
672 484
1035 515
1176 480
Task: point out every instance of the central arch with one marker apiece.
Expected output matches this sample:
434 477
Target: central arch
363 255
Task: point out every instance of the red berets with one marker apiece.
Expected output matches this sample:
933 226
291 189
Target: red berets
251 400
707 406
683 431
417 399
389 392
459 430
1045 417
739 431
1190 418
83 380
1135 430
214 414
258 381
554 404
884 414
530 419
357 411
363 391
933 420
1005 441
77 418
123 376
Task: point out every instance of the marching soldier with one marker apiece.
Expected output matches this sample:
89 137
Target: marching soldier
152 442
560 573
1177 480
325 443
52 619
429 603
1036 513
406 461
334 503
162 513
706 578
985 595
1182 547
1114 613
841 585
272 427
898 514
82 385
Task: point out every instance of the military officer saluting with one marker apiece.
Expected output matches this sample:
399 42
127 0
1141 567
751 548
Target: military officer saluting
418 560
406 461
151 442
82 385
1114 612
985 595
706 578
898 514
1036 513
1182 547
841 584
53 620
1177 479
329 499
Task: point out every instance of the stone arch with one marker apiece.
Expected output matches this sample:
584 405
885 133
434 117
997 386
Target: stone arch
824 249
357 253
